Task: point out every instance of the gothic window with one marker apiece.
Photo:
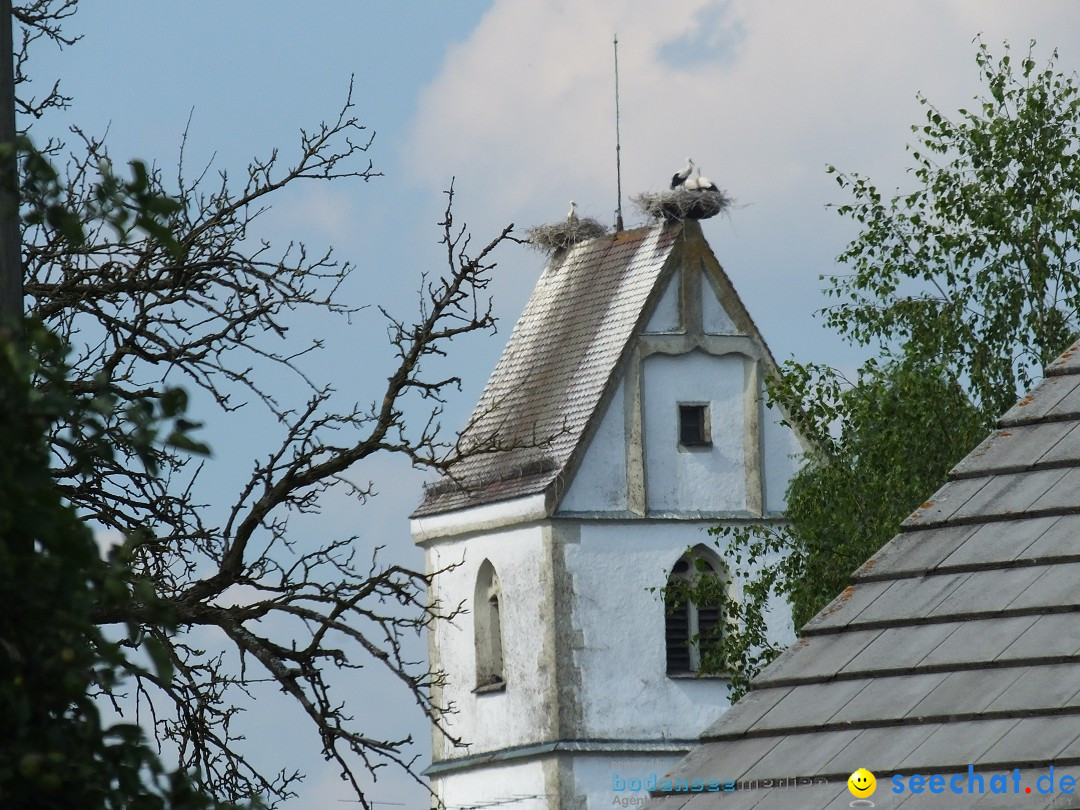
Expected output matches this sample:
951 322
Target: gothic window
488 629
689 627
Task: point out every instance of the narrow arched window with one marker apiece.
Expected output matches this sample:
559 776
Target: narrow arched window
488 628
691 627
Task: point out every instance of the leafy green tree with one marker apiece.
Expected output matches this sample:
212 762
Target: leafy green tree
964 285
54 658
975 267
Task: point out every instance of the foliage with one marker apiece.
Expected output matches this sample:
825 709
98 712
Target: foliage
198 299
127 206
53 658
899 429
976 266
965 285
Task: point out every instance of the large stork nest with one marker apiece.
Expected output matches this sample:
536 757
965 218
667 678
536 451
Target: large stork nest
561 235
682 203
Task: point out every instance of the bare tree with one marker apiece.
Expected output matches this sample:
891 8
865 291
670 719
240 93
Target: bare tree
213 307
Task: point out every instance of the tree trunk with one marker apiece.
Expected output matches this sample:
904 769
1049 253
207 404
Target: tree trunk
11 277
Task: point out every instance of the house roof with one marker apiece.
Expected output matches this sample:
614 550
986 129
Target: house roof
957 644
557 366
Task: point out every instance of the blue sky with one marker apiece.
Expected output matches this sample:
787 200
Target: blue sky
514 98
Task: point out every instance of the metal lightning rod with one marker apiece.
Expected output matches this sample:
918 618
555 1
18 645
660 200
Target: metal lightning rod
618 143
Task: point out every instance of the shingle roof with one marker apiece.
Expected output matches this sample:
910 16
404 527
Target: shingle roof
557 366
957 644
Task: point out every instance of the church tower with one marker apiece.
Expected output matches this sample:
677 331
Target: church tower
629 403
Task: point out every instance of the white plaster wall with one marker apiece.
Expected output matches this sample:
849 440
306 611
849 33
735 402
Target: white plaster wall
621 660
513 786
781 457
665 318
595 777
600 482
518 715
711 479
714 318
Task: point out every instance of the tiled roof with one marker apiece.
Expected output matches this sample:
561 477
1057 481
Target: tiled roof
556 367
957 644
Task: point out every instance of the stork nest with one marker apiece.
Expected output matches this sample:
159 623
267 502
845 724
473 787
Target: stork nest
682 203
561 235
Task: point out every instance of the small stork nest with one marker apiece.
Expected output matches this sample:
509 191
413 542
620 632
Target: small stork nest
682 203
561 235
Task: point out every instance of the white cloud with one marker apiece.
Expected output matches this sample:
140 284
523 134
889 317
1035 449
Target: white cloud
762 95
327 212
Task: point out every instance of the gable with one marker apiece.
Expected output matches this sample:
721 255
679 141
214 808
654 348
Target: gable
697 349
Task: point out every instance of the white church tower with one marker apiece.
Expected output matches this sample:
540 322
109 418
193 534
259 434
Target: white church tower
629 397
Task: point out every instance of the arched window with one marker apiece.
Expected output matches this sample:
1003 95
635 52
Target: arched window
488 629
689 627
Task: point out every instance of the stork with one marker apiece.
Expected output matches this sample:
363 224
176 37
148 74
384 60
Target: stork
699 183
679 177
571 215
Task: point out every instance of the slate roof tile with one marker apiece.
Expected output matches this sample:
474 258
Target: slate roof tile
940 506
792 755
988 591
746 713
1062 495
915 552
1067 363
1042 401
888 698
815 657
1068 407
1061 539
1000 542
953 746
1056 685
895 648
904 599
1041 737
877 749
1066 451
810 704
966 692
1012 449
1053 636
981 640
1009 494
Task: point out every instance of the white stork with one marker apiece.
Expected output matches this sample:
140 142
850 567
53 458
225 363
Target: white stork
571 215
699 183
679 177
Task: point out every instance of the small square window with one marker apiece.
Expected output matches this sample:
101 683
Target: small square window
694 426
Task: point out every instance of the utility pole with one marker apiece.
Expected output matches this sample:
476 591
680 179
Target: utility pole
11 274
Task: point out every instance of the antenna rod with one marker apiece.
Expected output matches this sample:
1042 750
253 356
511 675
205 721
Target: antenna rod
618 143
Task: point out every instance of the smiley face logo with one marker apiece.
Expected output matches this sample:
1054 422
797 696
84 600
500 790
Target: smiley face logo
862 783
